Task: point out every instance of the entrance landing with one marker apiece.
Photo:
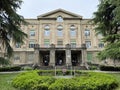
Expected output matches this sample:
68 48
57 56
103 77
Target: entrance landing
67 77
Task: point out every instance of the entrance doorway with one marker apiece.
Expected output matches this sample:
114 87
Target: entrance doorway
60 58
45 58
75 58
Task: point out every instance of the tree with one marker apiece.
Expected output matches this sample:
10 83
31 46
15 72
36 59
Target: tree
10 23
107 19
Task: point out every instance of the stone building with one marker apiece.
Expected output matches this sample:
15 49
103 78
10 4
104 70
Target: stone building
59 38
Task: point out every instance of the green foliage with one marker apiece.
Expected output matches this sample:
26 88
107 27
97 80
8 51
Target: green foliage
90 81
32 81
27 68
107 19
15 68
4 61
109 68
111 51
10 23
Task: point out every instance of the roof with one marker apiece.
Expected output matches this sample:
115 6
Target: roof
59 10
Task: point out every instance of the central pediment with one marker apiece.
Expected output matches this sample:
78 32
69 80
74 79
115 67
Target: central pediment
59 12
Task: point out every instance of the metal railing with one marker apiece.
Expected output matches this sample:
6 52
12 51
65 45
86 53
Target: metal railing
56 46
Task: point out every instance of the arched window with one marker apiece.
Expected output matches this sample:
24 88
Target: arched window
60 30
59 19
47 30
72 30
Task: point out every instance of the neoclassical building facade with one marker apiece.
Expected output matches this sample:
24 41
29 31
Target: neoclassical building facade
58 38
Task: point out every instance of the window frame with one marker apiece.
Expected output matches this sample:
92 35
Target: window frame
31 45
32 32
48 42
87 32
46 30
59 19
60 30
88 45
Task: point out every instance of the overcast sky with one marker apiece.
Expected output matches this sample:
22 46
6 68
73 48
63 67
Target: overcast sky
34 8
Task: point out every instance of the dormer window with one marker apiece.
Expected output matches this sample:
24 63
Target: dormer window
59 19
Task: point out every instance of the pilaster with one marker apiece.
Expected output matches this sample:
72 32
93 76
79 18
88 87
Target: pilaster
36 60
52 55
84 55
68 55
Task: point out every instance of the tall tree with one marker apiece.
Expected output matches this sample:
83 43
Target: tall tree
107 19
10 23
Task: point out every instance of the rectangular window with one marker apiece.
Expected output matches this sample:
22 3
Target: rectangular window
73 43
32 32
31 44
60 43
46 42
88 44
100 44
89 57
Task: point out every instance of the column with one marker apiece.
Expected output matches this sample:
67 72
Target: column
84 55
68 55
52 55
36 60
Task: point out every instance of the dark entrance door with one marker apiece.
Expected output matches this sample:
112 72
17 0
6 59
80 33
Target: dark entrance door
60 58
74 59
46 60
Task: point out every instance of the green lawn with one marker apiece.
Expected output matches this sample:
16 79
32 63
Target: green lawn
117 76
5 81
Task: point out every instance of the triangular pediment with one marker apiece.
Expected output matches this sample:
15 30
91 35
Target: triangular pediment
59 12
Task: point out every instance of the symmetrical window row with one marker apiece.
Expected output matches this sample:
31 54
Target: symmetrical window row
60 30
60 43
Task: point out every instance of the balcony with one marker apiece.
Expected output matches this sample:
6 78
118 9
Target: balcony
59 46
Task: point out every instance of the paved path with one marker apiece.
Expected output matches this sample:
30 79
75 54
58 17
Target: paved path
12 72
80 70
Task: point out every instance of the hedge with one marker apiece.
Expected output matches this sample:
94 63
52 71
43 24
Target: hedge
109 68
15 68
90 81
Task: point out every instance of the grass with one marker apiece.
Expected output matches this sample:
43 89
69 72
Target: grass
5 81
117 76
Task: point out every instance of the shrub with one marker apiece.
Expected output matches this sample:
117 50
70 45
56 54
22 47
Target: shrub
90 81
4 61
32 81
27 68
15 68
109 68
